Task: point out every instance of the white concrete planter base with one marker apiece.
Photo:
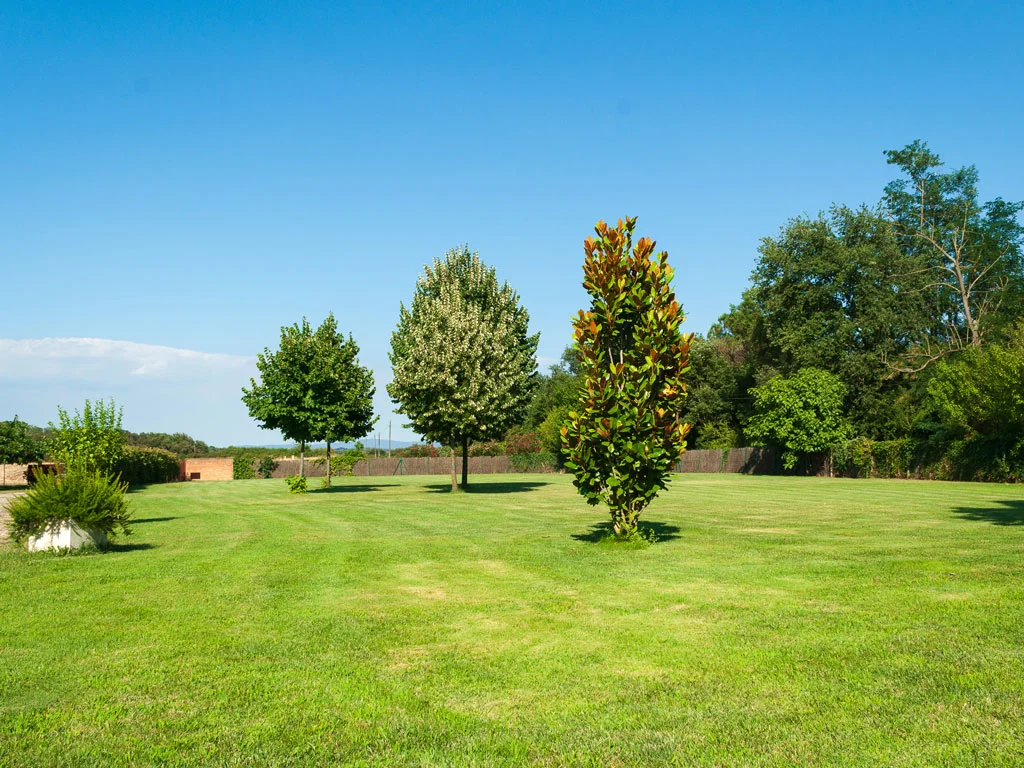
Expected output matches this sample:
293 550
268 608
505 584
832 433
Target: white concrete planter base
66 534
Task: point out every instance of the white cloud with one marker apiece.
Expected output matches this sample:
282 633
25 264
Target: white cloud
97 360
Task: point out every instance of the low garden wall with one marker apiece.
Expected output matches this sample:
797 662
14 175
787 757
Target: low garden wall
207 469
748 461
751 461
427 465
13 474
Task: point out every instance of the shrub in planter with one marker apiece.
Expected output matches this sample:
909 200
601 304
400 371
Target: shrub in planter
93 501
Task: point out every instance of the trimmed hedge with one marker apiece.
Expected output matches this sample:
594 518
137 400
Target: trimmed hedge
984 459
143 466
533 462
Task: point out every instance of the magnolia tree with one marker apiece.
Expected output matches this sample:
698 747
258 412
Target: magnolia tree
464 362
624 436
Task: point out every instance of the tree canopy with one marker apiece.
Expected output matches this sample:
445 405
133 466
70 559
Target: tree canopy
463 358
801 414
312 388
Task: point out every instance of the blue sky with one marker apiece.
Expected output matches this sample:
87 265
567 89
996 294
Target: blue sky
181 180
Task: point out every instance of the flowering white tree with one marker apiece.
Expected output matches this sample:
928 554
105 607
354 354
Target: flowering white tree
464 364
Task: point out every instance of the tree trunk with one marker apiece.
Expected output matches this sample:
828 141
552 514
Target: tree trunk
465 463
302 458
328 463
455 485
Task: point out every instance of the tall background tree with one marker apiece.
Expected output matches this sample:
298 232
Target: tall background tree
463 358
625 434
968 253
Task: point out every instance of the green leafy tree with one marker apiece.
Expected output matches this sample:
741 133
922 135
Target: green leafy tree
463 359
90 440
283 398
801 414
17 446
837 293
981 391
341 388
714 385
970 254
625 435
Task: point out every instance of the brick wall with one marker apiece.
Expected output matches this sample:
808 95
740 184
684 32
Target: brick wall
13 474
208 469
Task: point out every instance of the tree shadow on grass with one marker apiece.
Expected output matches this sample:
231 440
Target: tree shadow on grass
141 520
348 488
115 547
509 487
1006 513
649 530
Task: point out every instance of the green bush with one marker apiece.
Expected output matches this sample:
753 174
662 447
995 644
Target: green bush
297 484
91 499
341 463
266 467
90 440
533 462
143 466
493 448
243 467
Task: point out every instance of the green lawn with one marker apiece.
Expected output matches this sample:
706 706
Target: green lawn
778 621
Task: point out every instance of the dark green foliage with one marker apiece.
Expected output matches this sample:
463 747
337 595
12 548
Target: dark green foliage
265 466
981 391
877 458
624 436
297 484
89 498
834 293
715 387
142 466
243 468
17 445
541 461
557 389
800 415
179 443
979 458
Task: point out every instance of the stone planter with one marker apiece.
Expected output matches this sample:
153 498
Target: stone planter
66 534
